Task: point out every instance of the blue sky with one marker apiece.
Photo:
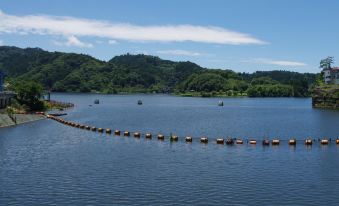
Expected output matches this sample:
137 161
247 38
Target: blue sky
242 35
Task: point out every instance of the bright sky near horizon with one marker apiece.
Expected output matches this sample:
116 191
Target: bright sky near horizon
242 35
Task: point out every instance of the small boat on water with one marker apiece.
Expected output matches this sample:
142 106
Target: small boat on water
96 101
221 103
139 102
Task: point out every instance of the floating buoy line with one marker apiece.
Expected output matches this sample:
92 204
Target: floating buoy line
189 139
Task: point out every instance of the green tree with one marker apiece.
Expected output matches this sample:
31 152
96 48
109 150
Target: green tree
29 93
326 63
207 82
276 90
263 80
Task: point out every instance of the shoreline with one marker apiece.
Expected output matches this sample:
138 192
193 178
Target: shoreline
6 121
178 95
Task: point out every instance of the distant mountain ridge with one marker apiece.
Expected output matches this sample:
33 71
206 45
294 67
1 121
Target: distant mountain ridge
70 72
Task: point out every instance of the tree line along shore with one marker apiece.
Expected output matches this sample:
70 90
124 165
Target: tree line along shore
32 71
70 72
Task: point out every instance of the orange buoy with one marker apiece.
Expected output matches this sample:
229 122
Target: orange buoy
292 142
337 141
308 142
161 137
253 141
108 131
220 141
204 140
126 134
239 141
148 136
136 134
174 138
324 141
188 139
100 130
94 129
275 142
117 132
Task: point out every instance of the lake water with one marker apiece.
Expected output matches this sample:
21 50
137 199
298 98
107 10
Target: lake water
48 163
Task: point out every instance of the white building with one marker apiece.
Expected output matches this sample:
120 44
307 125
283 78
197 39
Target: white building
331 75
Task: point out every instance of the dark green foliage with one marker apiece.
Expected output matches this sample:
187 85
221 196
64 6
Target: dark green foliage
69 72
326 63
267 87
300 83
269 90
263 80
206 82
28 94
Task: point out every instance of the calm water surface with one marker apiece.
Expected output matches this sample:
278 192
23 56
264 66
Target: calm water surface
47 163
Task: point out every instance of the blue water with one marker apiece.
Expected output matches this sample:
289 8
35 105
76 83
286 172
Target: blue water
48 163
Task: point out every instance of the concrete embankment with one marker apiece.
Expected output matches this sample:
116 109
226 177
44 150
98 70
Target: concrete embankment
6 120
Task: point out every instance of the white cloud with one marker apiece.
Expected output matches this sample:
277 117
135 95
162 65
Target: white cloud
69 26
179 53
73 41
276 62
112 41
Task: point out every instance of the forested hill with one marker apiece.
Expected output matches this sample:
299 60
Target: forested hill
69 72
